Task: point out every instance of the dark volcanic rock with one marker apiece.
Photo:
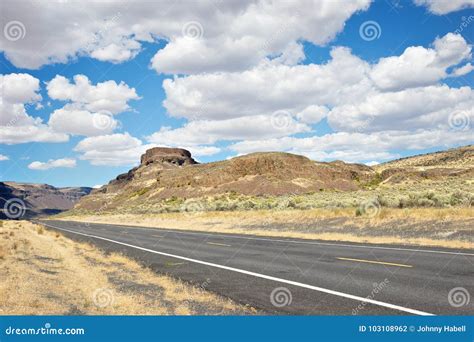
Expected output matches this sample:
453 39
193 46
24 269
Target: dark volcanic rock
176 156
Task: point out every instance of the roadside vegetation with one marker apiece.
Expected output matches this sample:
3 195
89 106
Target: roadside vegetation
445 193
45 273
440 227
415 212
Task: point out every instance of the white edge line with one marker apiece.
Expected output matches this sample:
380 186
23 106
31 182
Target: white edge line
258 275
178 231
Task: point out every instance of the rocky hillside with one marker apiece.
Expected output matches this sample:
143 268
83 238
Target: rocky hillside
457 162
37 199
167 177
167 173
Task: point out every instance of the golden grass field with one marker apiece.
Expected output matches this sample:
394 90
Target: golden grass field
438 227
45 273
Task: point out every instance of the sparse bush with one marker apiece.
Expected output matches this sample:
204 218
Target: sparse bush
140 192
460 198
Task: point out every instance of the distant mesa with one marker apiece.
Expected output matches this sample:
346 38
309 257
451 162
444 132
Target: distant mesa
37 199
176 156
166 173
170 173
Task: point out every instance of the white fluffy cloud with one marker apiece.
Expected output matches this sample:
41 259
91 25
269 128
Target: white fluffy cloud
240 38
210 131
4 157
445 6
52 164
410 109
463 70
358 147
354 95
16 125
362 102
91 107
305 90
106 97
237 63
112 150
201 36
419 66
267 88
81 122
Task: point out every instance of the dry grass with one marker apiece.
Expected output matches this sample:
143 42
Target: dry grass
45 273
441 227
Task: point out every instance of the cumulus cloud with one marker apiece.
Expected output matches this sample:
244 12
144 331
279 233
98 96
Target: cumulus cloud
241 39
91 107
388 98
267 88
112 149
419 66
210 131
52 164
357 147
353 94
410 109
313 114
4 157
463 70
16 125
445 7
106 97
201 36
81 122
238 65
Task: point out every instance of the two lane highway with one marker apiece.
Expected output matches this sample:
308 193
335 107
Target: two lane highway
290 276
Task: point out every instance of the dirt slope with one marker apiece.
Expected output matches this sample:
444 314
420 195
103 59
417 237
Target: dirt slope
167 173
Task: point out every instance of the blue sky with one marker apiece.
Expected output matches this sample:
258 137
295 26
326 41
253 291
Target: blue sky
231 87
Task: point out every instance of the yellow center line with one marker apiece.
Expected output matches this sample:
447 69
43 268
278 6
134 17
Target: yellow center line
218 244
158 236
375 262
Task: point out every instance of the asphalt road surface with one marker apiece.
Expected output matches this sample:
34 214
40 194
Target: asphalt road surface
291 276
